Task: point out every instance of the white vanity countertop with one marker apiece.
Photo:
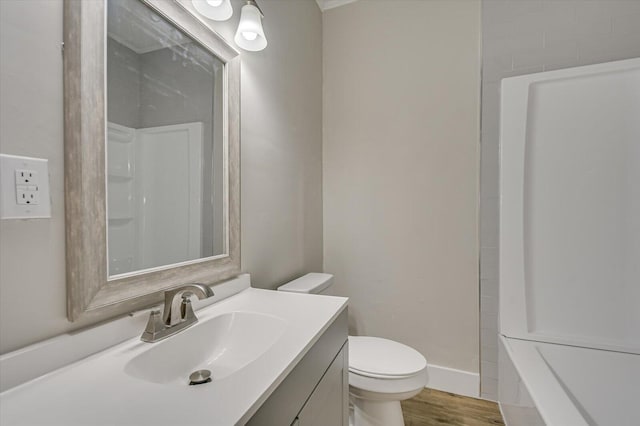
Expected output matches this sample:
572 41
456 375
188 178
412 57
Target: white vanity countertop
98 391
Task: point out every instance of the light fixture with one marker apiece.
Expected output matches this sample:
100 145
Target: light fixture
250 35
218 10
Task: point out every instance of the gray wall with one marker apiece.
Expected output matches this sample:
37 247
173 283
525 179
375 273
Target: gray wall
281 157
523 37
123 85
401 147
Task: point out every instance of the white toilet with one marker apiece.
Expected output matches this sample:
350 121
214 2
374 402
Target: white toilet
381 372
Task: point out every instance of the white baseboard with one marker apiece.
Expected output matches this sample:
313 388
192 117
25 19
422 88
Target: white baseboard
455 381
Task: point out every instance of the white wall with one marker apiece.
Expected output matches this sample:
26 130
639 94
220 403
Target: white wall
281 157
400 171
524 37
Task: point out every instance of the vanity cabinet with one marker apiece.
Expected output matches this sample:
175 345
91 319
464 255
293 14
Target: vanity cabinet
329 401
316 392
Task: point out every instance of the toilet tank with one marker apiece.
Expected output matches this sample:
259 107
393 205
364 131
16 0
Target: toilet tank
313 282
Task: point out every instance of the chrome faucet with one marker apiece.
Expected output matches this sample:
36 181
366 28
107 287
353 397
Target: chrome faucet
178 312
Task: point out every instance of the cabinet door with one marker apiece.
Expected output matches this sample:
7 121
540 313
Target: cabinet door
328 405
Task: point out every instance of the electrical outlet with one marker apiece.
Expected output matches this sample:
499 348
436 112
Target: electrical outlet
24 187
27 194
26 177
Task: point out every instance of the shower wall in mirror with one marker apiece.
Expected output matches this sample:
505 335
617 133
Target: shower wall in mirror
165 150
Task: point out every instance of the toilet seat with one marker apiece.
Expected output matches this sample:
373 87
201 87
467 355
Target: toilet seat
377 376
381 369
386 388
376 357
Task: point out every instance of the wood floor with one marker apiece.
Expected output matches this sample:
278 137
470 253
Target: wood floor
435 408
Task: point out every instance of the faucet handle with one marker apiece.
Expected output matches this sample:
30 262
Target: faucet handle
154 326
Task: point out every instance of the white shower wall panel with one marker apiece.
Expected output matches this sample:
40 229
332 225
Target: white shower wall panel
169 183
121 198
582 207
569 251
155 195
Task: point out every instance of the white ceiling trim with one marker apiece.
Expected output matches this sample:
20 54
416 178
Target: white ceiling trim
330 4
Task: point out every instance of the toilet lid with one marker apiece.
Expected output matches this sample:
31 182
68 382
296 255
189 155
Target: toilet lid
381 357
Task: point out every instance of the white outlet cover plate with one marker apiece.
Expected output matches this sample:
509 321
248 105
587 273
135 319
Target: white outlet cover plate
9 207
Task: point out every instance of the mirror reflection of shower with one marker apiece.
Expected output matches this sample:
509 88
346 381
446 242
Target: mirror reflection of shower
165 143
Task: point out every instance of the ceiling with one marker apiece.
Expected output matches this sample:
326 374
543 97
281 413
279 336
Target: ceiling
330 4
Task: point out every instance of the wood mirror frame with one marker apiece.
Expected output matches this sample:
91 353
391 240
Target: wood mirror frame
90 292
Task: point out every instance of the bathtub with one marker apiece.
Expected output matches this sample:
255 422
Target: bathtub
569 385
570 247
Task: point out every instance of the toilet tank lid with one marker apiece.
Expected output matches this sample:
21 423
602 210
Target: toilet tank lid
313 282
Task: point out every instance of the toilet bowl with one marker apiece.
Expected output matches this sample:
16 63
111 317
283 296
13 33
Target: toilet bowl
381 372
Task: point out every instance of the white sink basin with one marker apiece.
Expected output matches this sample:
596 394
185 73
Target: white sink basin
222 344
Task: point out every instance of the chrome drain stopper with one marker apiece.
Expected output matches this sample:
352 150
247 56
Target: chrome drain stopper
200 377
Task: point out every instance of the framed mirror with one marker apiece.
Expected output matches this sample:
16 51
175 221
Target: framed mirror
152 133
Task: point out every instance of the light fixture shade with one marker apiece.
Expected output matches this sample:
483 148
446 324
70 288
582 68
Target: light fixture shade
250 35
217 10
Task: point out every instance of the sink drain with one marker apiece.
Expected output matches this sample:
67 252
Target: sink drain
200 377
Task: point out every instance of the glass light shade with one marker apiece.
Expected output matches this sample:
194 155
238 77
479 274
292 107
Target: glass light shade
250 35
217 10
